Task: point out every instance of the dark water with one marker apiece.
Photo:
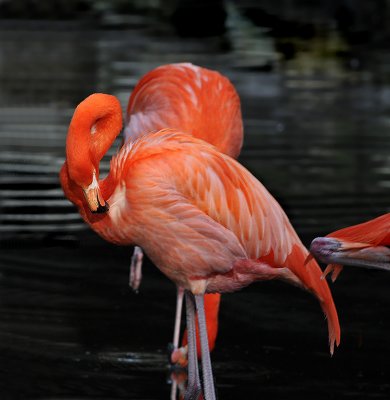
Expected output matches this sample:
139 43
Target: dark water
316 134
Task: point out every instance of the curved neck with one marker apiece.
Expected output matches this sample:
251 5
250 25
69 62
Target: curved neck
96 122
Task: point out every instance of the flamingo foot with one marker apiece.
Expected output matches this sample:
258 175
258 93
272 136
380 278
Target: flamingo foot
179 357
135 277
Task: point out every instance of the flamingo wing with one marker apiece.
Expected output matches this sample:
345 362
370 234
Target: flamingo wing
210 200
233 197
183 241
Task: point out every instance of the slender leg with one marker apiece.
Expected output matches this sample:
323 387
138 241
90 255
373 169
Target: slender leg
179 306
136 268
178 355
193 387
208 380
173 395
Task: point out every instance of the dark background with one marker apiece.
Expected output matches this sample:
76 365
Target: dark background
314 80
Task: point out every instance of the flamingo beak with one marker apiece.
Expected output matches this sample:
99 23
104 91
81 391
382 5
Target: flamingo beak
96 203
324 249
333 251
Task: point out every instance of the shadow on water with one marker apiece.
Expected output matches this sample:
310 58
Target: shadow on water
315 103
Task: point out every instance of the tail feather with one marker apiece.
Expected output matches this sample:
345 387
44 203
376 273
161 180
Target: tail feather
311 278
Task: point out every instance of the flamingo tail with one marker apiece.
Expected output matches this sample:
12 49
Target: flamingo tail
311 277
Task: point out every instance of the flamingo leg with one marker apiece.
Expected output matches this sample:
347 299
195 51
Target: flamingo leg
136 268
193 386
173 395
208 380
179 306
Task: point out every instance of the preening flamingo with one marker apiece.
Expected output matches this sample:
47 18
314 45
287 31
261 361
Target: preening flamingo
362 245
202 218
204 104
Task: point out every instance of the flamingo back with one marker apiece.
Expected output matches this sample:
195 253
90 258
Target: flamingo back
195 100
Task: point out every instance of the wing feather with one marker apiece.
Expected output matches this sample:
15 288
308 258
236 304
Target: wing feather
216 185
203 208
231 196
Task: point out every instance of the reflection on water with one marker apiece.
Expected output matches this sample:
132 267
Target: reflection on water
316 133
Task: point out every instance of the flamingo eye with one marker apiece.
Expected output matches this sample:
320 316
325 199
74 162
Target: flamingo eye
93 129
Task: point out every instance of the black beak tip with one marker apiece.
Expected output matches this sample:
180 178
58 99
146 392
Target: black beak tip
101 209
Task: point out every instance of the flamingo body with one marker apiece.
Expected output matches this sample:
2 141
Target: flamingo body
195 100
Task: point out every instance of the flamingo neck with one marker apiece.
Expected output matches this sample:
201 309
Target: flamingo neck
96 122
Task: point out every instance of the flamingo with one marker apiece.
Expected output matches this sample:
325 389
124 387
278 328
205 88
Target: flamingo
204 104
204 220
363 245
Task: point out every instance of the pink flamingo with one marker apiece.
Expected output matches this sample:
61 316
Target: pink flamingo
202 218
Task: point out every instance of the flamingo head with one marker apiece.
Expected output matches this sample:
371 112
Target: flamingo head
96 123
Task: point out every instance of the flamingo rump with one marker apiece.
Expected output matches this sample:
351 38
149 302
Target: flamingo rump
363 245
202 219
